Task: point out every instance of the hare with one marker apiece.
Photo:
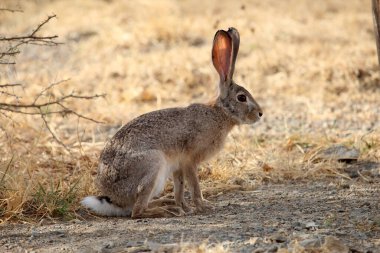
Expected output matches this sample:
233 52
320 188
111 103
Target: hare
136 163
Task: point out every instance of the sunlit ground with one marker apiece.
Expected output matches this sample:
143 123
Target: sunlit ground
311 65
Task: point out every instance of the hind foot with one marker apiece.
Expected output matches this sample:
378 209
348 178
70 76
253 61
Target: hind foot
158 212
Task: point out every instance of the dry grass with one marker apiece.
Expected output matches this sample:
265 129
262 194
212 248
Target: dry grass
311 65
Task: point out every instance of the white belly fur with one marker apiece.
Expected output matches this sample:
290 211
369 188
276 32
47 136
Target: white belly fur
165 172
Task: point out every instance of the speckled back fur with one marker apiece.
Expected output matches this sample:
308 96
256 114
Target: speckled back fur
136 162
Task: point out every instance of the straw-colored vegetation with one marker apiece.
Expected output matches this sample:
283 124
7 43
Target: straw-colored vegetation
311 65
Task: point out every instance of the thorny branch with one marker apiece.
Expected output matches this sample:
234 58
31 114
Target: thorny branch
36 108
15 42
51 132
9 85
44 103
56 106
10 10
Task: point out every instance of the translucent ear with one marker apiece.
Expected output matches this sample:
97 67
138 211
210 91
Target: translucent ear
234 34
222 54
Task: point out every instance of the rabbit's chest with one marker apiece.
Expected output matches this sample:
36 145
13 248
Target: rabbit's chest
208 146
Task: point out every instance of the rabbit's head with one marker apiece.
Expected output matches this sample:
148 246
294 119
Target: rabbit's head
233 98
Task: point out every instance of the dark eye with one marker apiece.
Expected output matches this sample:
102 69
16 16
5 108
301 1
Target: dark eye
242 98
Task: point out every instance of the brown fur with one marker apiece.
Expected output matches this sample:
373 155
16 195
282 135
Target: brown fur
137 161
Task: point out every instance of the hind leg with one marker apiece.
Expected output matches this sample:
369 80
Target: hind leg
162 202
144 209
150 185
179 201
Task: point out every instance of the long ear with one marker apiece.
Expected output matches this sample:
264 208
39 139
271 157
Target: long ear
234 34
222 54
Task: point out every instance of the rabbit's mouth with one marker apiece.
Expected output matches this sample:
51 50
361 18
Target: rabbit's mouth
253 118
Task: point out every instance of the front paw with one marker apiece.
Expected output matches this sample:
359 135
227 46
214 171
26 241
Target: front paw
186 207
203 205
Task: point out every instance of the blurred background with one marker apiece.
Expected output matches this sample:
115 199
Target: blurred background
299 58
311 65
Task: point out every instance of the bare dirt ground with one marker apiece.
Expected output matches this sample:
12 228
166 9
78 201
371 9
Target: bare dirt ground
315 216
311 65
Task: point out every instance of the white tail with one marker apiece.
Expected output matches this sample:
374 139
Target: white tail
102 206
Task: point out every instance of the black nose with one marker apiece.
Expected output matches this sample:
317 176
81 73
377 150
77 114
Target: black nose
260 114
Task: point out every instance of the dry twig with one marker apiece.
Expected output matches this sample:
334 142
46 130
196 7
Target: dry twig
15 42
44 103
9 85
43 108
10 10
